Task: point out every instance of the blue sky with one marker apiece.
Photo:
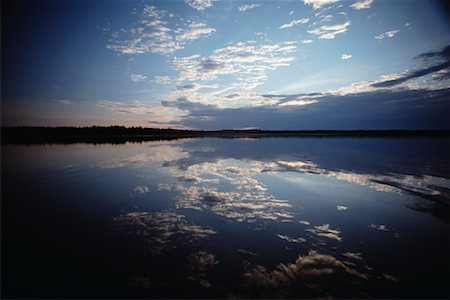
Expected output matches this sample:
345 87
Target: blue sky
311 64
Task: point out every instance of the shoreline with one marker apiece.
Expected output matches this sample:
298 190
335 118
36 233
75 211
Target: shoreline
119 135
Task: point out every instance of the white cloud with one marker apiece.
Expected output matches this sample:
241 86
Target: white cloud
153 35
330 31
200 4
246 62
295 22
196 30
307 41
341 207
162 79
142 189
363 4
246 7
316 4
291 12
138 77
389 34
346 56
298 102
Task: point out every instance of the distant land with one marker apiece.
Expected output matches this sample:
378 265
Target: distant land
121 134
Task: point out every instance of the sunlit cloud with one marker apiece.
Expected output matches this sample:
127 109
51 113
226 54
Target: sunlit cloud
294 23
162 79
200 4
316 4
387 34
153 34
307 41
363 4
330 31
246 7
196 30
247 63
346 56
138 77
298 102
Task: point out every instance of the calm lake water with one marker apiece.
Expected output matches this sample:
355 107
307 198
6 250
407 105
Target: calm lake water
227 218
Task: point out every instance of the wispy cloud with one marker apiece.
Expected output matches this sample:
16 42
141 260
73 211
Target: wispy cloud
307 41
389 34
162 79
330 31
196 30
346 56
293 23
247 62
153 34
136 108
440 68
290 239
325 231
316 4
363 4
200 4
138 77
62 101
246 7
298 102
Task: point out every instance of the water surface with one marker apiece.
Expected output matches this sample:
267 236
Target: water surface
227 218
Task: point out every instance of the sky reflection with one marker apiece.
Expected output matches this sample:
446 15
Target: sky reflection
262 222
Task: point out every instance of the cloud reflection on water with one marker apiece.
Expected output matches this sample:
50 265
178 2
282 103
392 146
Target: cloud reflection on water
315 272
208 185
162 229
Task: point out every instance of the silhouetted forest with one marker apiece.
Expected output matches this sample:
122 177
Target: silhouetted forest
121 134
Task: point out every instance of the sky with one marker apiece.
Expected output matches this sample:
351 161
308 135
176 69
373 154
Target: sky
206 64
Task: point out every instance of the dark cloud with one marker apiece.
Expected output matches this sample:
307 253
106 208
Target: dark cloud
183 103
192 86
441 60
401 109
210 65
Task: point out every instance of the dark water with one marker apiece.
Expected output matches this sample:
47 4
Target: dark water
227 218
